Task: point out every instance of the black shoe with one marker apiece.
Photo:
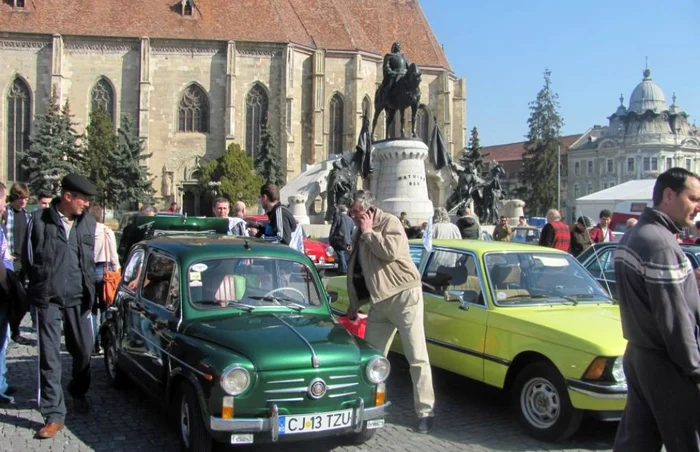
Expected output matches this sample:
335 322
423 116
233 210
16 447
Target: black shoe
81 405
18 338
10 390
425 424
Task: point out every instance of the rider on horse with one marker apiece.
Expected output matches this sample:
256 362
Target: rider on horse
395 67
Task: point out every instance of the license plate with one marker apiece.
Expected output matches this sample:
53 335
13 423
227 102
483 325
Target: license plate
375 423
317 422
241 439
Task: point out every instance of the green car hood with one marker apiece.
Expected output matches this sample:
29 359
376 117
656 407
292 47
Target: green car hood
280 341
594 329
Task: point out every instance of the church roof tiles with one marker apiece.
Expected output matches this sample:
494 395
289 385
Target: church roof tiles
368 25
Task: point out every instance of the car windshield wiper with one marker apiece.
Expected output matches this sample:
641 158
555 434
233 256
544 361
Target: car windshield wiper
582 296
227 304
526 296
281 300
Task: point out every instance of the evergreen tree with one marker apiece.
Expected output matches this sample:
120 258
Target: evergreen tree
129 180
539 175
54 148
235 171
472 153
100 149
267 159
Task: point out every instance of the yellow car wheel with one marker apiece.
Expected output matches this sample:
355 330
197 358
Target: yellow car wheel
542 403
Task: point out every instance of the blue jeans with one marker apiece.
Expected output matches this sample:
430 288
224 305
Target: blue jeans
342 261
4 339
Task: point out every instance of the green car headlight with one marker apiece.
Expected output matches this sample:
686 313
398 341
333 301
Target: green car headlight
377 369
618 372
235 380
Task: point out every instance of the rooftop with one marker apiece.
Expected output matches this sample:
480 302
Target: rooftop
514 151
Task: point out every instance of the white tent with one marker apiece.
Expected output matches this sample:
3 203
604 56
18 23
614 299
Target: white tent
634 190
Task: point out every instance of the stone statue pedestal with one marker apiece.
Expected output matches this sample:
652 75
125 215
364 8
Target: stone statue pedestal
513 209
398 182
297 204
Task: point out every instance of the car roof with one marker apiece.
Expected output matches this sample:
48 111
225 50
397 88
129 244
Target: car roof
215 245
484 246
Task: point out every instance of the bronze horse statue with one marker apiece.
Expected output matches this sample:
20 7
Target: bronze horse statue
404 93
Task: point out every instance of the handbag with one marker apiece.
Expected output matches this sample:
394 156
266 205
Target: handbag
111 277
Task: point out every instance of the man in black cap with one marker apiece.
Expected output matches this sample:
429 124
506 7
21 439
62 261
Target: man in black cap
60 264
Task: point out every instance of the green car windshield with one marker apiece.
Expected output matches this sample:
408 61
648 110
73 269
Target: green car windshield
251 284
522 278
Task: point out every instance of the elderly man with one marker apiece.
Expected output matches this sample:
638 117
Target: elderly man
381 273
660 313
631 222
60 263
555 234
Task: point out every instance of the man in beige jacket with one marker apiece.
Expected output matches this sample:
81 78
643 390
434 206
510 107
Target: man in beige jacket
381 273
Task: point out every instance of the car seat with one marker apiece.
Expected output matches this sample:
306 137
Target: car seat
506 281
231 288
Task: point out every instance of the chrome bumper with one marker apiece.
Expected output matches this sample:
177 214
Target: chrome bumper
598 390
271 424
326 266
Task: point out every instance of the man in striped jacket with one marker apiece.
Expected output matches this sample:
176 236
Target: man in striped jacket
660 311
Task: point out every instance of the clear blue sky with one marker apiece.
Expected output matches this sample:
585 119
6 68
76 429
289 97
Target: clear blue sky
595 50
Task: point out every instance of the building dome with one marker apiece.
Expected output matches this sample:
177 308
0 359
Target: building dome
647 96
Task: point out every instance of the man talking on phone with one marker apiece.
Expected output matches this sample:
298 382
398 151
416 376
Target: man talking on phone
381 273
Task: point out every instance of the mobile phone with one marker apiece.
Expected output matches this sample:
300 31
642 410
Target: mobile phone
371 210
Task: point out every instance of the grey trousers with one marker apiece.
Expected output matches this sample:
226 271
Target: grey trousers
404 312
663 405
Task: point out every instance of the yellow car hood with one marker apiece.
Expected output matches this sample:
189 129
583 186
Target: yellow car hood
591 328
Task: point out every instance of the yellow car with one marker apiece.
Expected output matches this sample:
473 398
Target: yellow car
527 319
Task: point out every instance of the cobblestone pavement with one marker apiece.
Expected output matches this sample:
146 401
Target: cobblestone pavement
469 417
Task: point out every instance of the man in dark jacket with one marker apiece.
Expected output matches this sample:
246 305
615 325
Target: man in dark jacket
340 237
281 222
555 234
580 238
468 224
660 313
60 263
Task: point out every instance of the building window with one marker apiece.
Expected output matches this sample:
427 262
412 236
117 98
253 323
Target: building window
590 167
589 188
650 164
630 164
289 116
422 124
688 164
255 116
609 164
577 191
194 110
102 95
18 122
577 168
19 3
335 138
654 164
669 163
186 7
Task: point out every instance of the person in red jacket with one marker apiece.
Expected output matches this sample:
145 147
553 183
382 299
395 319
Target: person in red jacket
555 234
601 232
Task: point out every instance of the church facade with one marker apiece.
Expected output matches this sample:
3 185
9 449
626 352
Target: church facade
197 75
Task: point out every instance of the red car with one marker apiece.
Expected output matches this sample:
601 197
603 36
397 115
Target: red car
321 254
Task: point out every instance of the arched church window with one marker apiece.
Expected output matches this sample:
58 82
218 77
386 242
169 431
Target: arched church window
255 115
18 123
194 110
102 95
422 124
335 139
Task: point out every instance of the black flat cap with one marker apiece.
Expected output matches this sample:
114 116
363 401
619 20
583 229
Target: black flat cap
77 183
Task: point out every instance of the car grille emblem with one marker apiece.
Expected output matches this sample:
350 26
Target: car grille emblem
317 389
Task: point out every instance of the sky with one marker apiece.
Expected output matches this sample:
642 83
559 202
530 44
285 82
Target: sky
595 49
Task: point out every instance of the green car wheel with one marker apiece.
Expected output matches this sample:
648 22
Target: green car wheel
542 403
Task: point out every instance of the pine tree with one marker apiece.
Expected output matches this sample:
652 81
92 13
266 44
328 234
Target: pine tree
539 175
267 158
54 148
235 171
100 149
472 153
129 180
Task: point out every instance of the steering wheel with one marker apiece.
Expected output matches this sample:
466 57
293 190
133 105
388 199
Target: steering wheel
282 289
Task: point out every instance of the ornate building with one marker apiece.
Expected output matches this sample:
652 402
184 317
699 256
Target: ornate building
198 75
639 142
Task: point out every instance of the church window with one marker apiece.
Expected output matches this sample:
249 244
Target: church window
19 3
255 114
422 121
577 168
335 140
194 111
186 7
18 122
102 95
630 164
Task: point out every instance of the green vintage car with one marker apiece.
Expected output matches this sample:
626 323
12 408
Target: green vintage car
236 336
527 319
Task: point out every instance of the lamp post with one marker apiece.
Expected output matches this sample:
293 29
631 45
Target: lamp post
214 187
559 178
53 180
